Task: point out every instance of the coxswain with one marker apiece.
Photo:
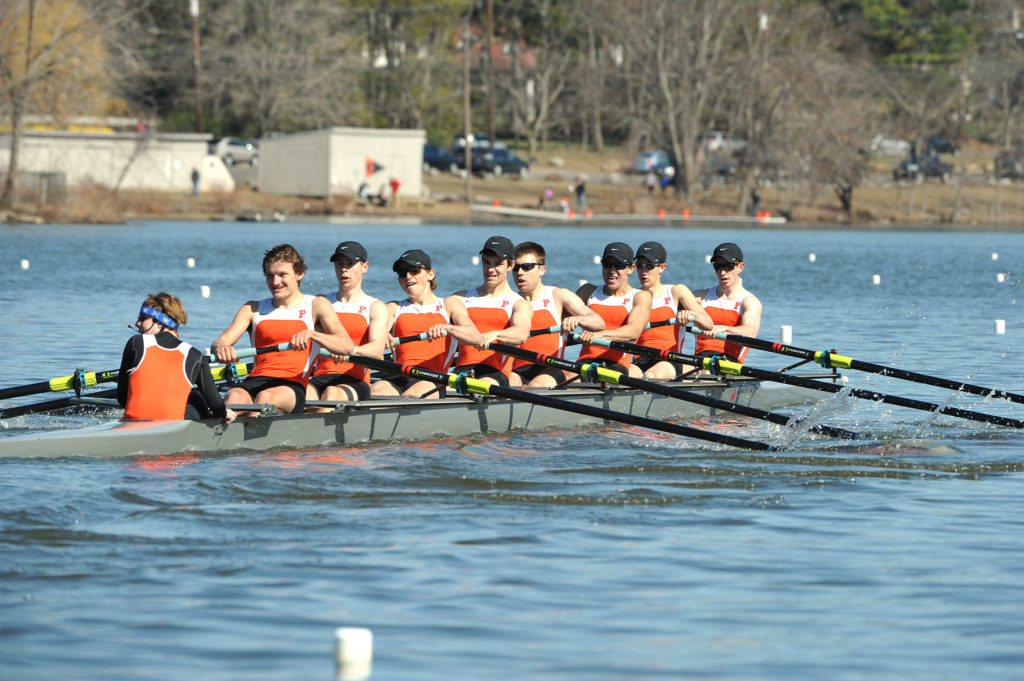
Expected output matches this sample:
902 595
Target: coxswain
163 377
625 310
288 316
420 312
365 320
667 302
552 306
496 313
732 308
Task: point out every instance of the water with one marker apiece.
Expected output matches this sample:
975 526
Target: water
599 555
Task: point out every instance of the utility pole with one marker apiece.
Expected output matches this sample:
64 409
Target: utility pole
490 70
193 9
467 121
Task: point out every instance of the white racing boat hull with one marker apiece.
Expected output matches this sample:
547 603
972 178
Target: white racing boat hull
391 420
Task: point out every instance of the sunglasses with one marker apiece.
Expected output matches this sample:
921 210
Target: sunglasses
724 266
647 266
406 271
525 267
608 265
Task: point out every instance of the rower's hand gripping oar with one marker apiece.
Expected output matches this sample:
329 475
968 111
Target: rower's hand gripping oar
469 385
598 373
829 360
720 365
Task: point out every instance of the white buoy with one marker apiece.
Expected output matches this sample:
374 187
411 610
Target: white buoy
995 256
353 645
1000 326
812 257
1000 277
24 264
475 260
707 258
597 260
786 334
876 279
190 263
204 291
582 282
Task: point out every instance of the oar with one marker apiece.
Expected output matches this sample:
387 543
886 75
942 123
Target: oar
219 374
830 359
59 384
604 375
718 365
469 385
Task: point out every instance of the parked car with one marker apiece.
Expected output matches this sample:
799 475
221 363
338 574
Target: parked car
499 162
721 141
938 145
652 160
930 166
889 146
1008 165
435 159
234 150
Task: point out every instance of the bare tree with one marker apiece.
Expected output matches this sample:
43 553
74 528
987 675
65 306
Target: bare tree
59 57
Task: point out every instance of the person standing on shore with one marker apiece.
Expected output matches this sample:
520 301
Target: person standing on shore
732 308
288 316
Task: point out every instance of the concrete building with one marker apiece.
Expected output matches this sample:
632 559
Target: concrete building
121 160
337 161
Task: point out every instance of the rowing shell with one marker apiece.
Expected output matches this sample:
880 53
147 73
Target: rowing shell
380 420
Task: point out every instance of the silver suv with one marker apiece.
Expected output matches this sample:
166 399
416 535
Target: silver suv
234 150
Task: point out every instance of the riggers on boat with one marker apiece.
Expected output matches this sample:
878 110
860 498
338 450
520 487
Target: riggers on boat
390 420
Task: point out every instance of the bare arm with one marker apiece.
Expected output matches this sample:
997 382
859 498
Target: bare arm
462 328
331 336
377 332
518 329
632 327
223 347
690 309
750 319
389 326
576 314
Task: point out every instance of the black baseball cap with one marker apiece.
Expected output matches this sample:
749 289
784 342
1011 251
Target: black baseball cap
415 259
728 252
353 250
653 251
501 247
618 252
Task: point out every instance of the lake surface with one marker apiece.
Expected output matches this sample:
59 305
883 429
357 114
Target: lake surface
612 554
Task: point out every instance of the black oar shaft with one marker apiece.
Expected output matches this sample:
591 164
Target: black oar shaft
832 359
59 384
484 388
49 405
618 378
779 377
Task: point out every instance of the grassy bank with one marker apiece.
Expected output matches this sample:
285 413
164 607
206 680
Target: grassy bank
972 200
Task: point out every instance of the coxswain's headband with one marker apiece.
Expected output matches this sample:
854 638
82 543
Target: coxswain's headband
159 316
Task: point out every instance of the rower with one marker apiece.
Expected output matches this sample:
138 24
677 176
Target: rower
734 309
421 312
288 316
549 304
163 377
667 302
496 313
364 318
625 310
